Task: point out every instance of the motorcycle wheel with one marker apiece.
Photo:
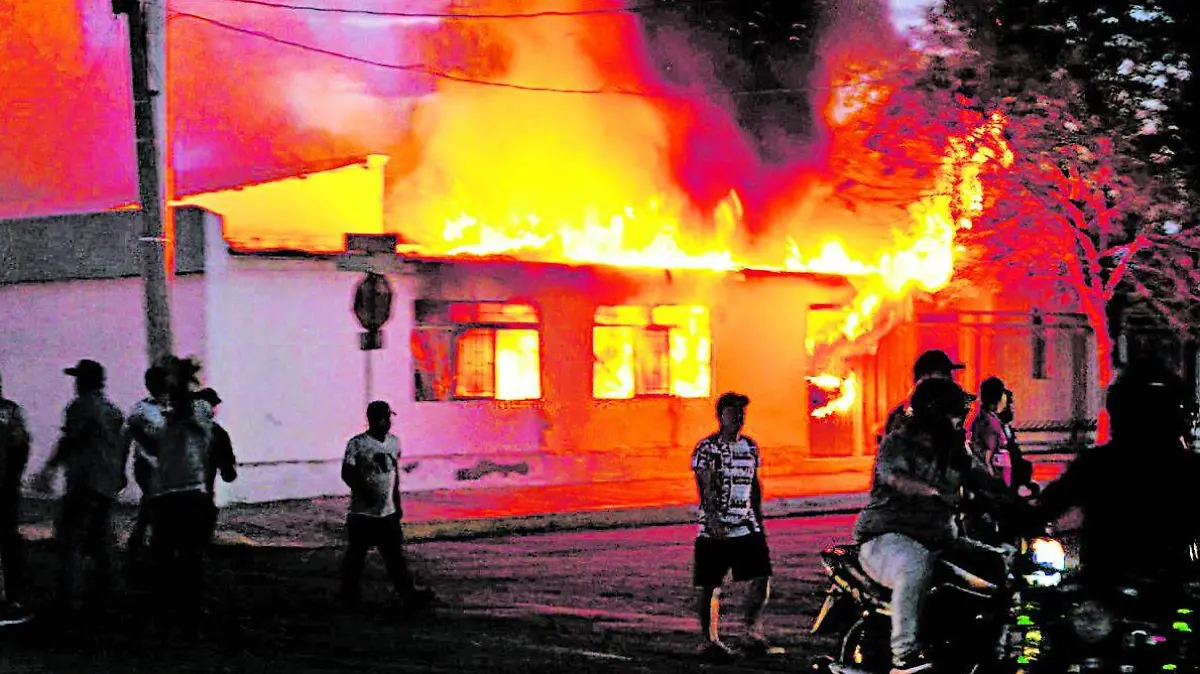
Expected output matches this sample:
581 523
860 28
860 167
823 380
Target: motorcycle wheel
866 644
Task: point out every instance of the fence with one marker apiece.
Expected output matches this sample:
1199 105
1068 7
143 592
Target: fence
1046 359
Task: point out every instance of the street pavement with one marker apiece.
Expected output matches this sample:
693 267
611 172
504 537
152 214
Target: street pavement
578 601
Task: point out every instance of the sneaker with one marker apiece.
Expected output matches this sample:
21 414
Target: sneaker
717 652
14 614
758 646
911 664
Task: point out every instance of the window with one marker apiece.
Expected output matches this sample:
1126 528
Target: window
476 350
651 351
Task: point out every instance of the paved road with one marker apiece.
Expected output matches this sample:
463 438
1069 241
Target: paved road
611 601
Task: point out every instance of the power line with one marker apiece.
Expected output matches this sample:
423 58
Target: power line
441 74
632 9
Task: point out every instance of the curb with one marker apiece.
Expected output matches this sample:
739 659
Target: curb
494 527
596 520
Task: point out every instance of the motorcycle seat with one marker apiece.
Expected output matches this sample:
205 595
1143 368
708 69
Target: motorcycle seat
847 572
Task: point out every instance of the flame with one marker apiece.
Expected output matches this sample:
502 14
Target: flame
845 388
518 371
552 161
662 350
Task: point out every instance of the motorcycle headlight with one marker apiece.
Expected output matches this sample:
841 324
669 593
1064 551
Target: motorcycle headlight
1050 558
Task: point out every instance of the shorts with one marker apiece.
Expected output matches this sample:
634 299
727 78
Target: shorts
748 557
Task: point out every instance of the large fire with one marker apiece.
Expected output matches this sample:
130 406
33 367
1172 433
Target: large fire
589 184
556 138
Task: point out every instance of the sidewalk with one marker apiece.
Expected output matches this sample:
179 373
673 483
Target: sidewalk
459 514
475 513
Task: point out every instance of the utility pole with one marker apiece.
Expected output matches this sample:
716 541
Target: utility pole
149 113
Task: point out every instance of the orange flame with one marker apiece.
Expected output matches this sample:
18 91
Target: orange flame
846 389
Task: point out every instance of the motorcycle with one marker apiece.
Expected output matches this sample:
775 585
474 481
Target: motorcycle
1142 624
975 602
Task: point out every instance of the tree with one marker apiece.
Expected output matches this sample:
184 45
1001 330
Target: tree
1129 71
1080 214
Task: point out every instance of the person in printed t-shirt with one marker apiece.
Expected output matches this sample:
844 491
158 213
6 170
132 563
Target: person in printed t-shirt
94 453
371 469
732 536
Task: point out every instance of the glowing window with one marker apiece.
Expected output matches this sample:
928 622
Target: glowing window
476 350
651 351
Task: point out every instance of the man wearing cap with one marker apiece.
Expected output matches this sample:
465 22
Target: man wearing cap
14 456
732 536
934 364
370 468
93 453
221 457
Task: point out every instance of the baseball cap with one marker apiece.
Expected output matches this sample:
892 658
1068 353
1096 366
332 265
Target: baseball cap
933 361
86 370
379 408
731 399
209 396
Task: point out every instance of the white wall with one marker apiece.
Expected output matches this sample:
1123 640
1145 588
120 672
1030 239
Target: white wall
45 327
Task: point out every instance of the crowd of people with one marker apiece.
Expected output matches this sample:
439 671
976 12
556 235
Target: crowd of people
178 450
935 446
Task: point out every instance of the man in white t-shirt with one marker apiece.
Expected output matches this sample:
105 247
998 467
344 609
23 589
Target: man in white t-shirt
371 470
146 420
732 536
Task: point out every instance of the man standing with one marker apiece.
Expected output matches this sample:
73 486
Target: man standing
370 469
14 455
934 364
221 457
732 535
181 507
146 420
93 452
989 442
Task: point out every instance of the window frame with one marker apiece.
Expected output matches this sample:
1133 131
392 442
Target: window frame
650 326
445 322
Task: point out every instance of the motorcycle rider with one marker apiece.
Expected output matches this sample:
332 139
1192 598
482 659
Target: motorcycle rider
933 364
910 518
1136 492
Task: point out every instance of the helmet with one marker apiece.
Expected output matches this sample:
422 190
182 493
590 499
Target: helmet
940 399
1149 396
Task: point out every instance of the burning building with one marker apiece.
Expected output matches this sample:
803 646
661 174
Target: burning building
587 254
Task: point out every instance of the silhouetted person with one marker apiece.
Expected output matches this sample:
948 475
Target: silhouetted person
181 508
93 452
989 441
221 460
732 536
371 469
1022 468
934 364
14 456
1137 493
146 420
910 517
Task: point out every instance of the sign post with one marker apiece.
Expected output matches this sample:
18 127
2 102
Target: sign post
372 307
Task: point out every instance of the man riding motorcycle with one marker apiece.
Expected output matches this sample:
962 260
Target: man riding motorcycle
1135 493
920 471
